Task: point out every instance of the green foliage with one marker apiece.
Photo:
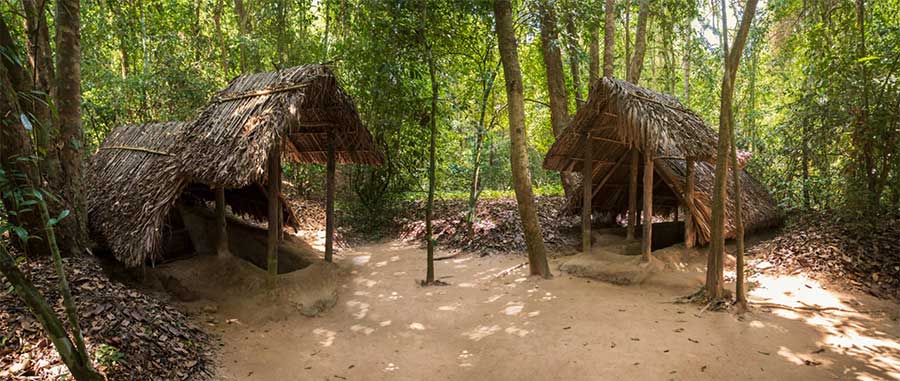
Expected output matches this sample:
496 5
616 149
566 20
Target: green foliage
108 355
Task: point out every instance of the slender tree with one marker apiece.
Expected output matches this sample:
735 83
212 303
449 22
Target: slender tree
537 257
715 261
429 209
609 39
556 82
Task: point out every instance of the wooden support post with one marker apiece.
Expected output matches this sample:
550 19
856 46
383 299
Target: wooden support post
647 239
221 224
690 236
587 173
632 194
676 212
274 194
329 199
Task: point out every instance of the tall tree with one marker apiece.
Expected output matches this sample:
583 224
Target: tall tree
633 75
556 82
506 35
609 38
70 141
715 261
243 21
429 209
572 47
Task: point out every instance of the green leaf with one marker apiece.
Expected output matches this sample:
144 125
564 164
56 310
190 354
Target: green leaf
867 59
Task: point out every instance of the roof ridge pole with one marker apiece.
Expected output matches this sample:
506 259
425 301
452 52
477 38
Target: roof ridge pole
587 183
274 209
646 239
329 199
632 193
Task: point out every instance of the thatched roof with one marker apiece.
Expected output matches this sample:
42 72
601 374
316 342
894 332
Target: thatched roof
619 116
141 171
230 140
135 180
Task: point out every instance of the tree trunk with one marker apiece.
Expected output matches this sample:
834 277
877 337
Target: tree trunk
70 187
640 44
572 46
715 261
17 154
220 37
41 59
429 209
556 83
686 66
609 39
594 51
537 257
486 88
242 21
739 288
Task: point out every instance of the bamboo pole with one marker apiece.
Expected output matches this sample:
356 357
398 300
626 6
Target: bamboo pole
221 224
587 170
274 210
646 238
329 199
690 235
632 194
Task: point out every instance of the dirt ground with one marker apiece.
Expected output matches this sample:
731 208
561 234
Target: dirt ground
514 327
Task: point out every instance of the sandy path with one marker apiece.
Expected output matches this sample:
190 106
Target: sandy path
385 327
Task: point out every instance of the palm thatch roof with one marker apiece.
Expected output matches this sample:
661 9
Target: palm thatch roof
229 142
142 171
136 179
618 116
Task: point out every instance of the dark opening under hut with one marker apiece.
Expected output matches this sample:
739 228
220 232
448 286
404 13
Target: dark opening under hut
624 133
230 155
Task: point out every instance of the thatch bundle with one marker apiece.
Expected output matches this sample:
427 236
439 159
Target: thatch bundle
141 171
618 116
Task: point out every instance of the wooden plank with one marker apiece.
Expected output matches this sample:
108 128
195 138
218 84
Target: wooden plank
632 195
587 171
329 200
609 174
221 224
607 140
274 191
646 238
690 235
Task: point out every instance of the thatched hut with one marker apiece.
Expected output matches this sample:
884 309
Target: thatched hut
231 155
613 133
137 186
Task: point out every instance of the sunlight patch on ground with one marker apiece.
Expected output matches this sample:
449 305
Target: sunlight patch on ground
417 327
513 330
513 309
481 332
845 330
361 328
493 298
385 323
363 308
365 282
327 336
466 285
391 367
360 260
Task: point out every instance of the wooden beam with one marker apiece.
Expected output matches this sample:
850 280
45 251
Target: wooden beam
607 140
632 195
646 238
690 236
274 193
587 171
329 200
609 174
221 224
581 159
